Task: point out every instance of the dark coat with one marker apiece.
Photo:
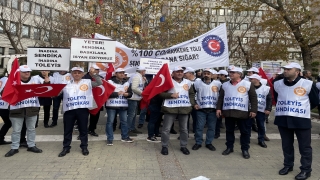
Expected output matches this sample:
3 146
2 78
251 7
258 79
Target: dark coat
297 122
237 113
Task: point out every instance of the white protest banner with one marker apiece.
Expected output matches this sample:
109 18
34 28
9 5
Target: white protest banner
92 50
47 58
153 65
205 51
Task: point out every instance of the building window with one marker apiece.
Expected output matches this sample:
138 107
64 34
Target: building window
230 26
15 4
244 13
213 24
74 2
237 26
25 31
12 51
36 33
259 28
3 2
245 40
47 12
260 40
13 28
229 12
244 26
260 13
66 1
46 36
1 27
37 9
213 11
221 12
81 3
26 6
205 11
55 13
1 59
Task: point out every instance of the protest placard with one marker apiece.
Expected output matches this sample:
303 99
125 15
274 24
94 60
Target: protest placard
92 50
47 58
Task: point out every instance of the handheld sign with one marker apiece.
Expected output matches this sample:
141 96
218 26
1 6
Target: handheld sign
47 58
153 65
92 50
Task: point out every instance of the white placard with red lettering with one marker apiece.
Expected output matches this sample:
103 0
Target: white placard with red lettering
92 50
46 58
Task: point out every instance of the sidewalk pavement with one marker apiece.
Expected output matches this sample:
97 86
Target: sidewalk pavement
142 160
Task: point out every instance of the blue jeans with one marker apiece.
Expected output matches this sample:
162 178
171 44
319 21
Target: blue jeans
260 118
132 111
202 118
142 116
17 123
123 120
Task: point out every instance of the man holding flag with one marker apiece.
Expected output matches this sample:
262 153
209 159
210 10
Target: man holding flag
160 83
27 109
94 118
178 103
77 99
118 104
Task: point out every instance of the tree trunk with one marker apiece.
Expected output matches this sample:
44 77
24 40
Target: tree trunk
307 57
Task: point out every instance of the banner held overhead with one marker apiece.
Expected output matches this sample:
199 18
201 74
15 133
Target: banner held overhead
205 51
92 50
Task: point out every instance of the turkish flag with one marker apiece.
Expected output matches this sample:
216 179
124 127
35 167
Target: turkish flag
109 71
160 83
10 93
37 90
264 76
101 95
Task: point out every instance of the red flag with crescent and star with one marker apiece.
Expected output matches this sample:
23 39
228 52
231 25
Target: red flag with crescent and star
160 83
101 94
10 93
37 90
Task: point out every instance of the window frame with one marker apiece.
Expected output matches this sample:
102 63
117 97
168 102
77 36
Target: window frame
22 31
23 8
35 8
18 4
39 33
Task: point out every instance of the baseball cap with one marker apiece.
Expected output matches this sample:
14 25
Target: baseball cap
24 68
119 70
292 65
188 69
254 69
177 68
207 69
95 66
254 76
236 69
77 69
224 72
230 67
141 68
214 71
